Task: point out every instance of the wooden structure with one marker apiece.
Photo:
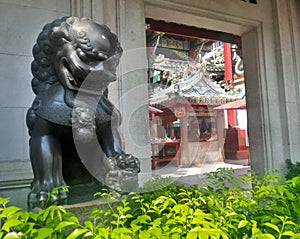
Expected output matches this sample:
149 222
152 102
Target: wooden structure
235 147
186 81
162 156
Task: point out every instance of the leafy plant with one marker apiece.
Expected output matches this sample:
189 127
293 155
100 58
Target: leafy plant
293 170
223 209
53 222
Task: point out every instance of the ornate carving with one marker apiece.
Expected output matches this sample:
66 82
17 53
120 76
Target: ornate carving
74 62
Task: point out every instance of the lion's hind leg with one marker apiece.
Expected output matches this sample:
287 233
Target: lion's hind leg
46 160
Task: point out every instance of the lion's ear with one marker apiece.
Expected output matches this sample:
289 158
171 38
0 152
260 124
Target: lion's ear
58 36
62 32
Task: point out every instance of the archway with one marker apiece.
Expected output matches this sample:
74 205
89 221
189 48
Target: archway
251 35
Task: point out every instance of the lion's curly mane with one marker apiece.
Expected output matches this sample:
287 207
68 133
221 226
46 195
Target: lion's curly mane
49 42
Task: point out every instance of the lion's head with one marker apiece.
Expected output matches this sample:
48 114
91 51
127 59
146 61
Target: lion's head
77 52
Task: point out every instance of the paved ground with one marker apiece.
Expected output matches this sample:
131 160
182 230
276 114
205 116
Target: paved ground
195 175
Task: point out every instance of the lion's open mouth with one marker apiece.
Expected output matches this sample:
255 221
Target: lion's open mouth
74 72
89 79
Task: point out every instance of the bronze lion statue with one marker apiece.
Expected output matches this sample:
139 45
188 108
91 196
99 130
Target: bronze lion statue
73 127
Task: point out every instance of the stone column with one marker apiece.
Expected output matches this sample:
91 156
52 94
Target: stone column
287 49
130 93
153 124
171 127
220 132
184 141
133 83
88 8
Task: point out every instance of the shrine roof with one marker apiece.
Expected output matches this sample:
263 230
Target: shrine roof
199 89
193 82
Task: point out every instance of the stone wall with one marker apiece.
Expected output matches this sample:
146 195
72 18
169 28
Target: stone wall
20 23
270 36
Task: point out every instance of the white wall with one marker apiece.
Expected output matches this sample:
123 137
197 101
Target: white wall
20 23
271 48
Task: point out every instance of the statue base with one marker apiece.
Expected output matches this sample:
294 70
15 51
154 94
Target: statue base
83 192
82 201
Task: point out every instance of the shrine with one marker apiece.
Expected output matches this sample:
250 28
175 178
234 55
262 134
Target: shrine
188 78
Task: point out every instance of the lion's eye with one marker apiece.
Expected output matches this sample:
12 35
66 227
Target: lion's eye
82 55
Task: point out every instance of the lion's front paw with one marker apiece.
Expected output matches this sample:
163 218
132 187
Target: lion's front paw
128 162
122 173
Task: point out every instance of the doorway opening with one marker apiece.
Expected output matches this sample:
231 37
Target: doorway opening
197 95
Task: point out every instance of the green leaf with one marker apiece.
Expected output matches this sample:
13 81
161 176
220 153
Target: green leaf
156 231
197 220
44 232
242 223
103 232
63 225
52 213
26 228
33 216
11 235
296 236
135 228
10 223
191 235
76 233
128 216
267 236
288 233
144 219
71 218
296 182
44 214
296 207
89 225
9 211
272 226
89 235
24 215
59 215
4 201
121 231
289 223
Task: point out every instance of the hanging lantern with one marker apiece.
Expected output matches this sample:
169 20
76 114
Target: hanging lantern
180 112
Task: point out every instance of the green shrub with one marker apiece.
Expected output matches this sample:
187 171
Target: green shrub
293 170
221 209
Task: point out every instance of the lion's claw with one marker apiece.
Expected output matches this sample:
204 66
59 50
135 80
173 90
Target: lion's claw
128 162
122 171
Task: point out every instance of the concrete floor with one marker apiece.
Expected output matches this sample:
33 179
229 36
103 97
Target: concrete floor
195 175
191 176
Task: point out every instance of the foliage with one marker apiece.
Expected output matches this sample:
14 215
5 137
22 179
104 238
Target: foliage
227 207
293 170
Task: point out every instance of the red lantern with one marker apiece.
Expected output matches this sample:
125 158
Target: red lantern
180 112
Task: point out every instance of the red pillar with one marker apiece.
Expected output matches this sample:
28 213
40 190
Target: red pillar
231 117
229 79
228 63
